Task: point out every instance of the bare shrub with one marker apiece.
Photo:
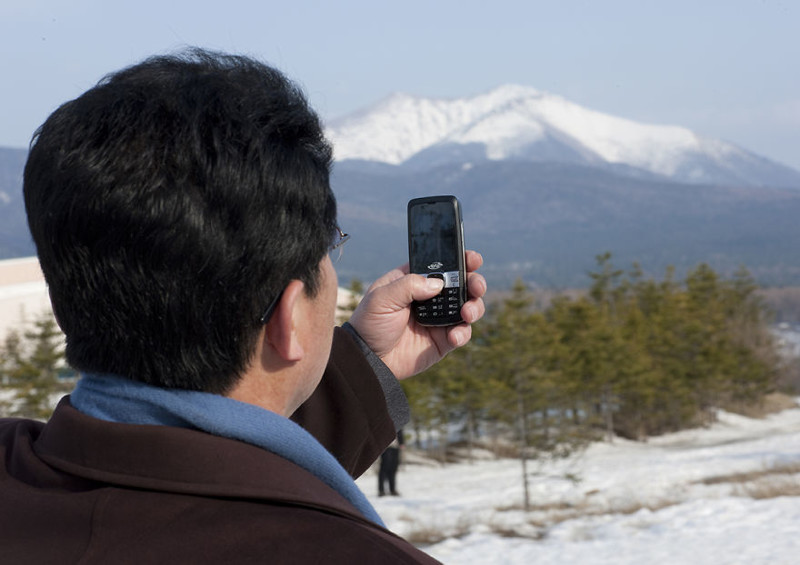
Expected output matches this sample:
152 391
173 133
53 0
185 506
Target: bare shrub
769 404
426 534
789 379
527 530
783 302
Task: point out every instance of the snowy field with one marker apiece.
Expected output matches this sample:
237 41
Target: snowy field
675 499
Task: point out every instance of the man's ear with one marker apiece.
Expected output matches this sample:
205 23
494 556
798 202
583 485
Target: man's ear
281 332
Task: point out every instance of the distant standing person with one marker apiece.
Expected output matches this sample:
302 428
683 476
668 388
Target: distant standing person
390 461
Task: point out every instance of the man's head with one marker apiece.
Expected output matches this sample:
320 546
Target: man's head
170 204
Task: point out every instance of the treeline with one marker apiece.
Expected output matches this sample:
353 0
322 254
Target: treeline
32 370
632 357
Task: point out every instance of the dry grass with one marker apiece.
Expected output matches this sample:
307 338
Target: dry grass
792 468
770 482
422 535
550 507
776 488
528 530
547 515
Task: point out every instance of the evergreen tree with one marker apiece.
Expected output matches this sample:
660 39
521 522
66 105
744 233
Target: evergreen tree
521 361
31 368
356 289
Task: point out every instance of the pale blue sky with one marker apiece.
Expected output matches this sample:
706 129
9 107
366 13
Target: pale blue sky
726 69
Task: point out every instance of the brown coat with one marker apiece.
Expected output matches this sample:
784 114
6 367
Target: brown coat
80 490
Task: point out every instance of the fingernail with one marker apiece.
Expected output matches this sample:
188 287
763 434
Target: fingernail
434 284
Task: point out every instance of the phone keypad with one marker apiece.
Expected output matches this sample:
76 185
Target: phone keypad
443 306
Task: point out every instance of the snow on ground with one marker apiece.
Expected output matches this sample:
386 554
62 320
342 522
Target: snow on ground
788 336
620 502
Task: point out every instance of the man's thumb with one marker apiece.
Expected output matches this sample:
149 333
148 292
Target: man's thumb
427 288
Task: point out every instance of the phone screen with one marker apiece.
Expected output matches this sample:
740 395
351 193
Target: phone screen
433 238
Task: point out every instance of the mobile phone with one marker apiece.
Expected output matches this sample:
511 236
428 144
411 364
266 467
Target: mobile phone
436 249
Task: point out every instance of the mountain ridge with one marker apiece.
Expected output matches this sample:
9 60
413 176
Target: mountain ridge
523 123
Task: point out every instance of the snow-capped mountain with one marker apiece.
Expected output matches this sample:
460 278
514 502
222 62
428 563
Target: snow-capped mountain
521 123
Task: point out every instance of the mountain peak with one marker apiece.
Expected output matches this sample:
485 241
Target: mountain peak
401 125
522 123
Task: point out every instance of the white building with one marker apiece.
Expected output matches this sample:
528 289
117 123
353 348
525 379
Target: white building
24 297
23 294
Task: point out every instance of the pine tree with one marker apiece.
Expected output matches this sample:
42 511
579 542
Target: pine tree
521 361
356 289
31 368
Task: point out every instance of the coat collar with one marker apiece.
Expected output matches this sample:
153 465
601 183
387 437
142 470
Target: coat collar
181 461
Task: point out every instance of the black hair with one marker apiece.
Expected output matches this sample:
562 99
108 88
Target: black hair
169 205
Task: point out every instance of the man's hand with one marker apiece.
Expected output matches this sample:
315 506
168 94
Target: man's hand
385 323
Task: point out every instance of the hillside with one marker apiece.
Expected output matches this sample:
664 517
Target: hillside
545 222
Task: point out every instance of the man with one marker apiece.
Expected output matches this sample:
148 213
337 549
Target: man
390 462
183 217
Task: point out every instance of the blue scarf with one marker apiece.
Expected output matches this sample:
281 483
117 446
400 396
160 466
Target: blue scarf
116 399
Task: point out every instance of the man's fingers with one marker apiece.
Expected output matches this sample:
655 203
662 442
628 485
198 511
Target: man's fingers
473 310
476 285
459 335
474 260
401 289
